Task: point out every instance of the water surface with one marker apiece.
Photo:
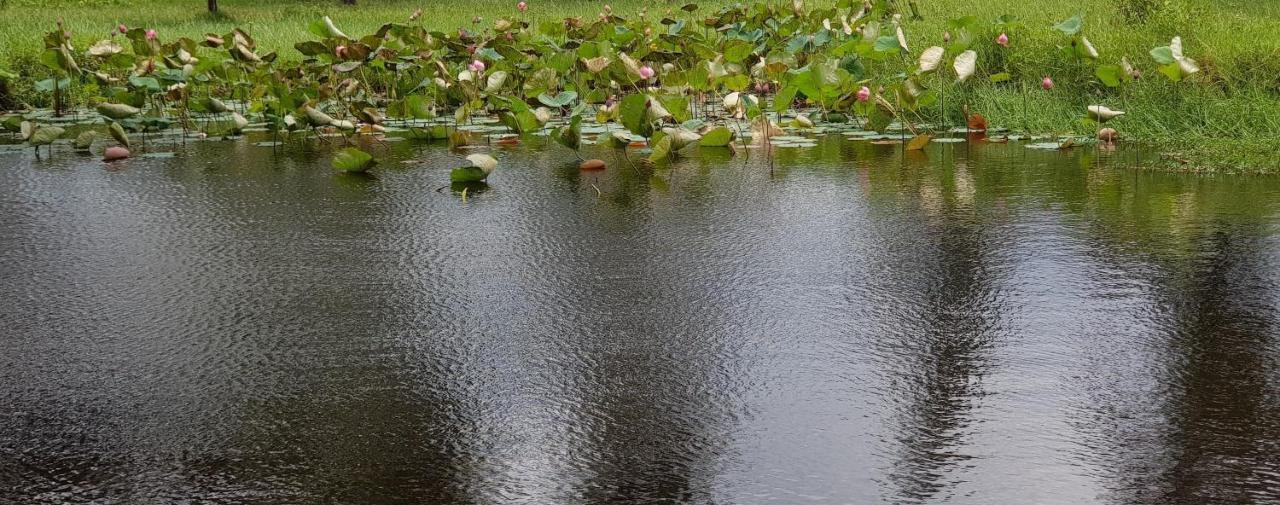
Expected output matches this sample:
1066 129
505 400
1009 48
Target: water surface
977 324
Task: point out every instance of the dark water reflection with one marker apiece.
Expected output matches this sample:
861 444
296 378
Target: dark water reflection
977 325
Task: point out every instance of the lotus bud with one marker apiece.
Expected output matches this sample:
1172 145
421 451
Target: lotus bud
122 28
1003 40
522 6
151 34
646 72
864 94
340 51
476 67
1047 83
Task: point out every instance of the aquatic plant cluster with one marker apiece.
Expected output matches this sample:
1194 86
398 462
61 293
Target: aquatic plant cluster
669 80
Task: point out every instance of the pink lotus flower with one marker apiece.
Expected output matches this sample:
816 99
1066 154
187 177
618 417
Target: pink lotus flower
476 66
151 34
1003 40
864 94
340 51
1047 83
522 6
646 72
123 28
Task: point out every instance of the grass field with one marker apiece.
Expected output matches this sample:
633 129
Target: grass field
1225 118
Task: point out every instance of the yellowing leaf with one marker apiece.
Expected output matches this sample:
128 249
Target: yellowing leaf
918 142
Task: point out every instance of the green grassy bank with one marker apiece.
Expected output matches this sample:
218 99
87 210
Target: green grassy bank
1225 118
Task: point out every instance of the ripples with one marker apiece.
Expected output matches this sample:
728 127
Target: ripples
978 325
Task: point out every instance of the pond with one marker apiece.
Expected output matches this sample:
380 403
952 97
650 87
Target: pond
976 324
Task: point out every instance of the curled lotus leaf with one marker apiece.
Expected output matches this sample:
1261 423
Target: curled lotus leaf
931 58
45 135
1102 113
118 111
104 48
85 140
238 122
965 64
117 132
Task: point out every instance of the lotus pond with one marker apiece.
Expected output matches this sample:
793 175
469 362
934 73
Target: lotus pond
823 320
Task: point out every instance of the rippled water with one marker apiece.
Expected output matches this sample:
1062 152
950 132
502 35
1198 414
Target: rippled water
982 324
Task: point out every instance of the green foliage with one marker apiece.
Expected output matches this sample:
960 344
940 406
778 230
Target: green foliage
415 68
352 160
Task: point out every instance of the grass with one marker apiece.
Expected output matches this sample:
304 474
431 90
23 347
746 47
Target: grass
1225 119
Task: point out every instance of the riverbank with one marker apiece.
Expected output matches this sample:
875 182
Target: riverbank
1224 118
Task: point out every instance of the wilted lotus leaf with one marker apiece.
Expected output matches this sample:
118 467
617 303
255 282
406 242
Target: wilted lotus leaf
931 58
104 48
965 64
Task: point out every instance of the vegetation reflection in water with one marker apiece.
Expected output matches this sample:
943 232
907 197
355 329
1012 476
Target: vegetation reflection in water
978 323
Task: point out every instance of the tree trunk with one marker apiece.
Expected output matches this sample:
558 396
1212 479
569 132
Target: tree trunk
213 6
